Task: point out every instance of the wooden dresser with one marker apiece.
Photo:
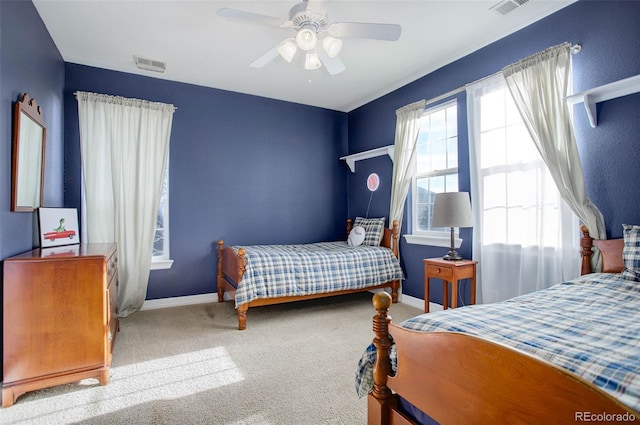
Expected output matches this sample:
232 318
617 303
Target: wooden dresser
60 318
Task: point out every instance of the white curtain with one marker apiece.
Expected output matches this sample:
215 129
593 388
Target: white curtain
524 236
539 85
404 157
124 149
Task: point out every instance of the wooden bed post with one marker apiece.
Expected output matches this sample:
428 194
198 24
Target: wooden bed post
242 316
242 261
395 234
394 238
611 259
586 245
381 398
242 310
349 226
220 276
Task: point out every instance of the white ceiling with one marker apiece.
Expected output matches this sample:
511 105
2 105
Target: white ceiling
202 48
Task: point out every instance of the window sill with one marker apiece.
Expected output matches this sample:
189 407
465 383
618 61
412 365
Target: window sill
161 264
432 240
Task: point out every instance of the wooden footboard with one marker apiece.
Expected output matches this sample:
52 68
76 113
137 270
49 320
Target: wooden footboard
231 267
456 378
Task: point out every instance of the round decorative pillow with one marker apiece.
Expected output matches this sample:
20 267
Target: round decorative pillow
356 236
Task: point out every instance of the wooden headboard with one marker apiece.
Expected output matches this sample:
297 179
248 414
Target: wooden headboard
611 250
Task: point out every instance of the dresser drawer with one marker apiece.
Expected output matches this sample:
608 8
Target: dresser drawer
439 272
112 286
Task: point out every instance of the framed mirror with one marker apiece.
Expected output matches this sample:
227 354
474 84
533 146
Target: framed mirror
27 170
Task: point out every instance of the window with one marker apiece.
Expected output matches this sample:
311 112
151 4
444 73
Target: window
436 171
518 195
523 233
160 258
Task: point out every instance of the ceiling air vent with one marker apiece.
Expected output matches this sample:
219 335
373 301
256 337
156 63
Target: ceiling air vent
507 6
150 64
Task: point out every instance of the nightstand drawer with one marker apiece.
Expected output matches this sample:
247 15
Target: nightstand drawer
439 272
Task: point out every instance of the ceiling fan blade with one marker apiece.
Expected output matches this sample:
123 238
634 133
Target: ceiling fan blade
333 64
389 32
265 59
241 15
317 6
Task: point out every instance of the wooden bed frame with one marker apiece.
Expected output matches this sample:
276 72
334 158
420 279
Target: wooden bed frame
610 249
231 266
457 378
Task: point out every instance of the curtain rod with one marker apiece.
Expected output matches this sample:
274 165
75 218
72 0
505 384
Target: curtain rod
575 49
175 108
459 89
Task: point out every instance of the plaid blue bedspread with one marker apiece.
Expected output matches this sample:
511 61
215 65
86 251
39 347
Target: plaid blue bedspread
289 270
589 326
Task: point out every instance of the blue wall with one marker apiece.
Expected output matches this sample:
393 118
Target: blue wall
610 37
245 169
31 63
253 170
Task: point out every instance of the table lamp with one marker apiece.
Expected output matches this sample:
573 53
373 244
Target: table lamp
452 209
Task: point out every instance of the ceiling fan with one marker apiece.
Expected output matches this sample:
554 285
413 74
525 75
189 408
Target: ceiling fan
319 39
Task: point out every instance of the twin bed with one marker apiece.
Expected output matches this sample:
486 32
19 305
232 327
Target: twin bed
569 353
259 275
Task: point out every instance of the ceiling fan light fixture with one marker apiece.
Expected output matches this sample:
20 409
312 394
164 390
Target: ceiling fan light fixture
306 39
319 39
312 61
332 46
287 49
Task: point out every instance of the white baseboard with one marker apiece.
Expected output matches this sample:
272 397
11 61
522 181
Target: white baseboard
418 303
209 298
179 301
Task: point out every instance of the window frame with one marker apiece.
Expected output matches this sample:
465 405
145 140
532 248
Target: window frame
164 261
440 238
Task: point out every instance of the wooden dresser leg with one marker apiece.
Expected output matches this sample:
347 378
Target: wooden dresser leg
8 397
242 317
104 377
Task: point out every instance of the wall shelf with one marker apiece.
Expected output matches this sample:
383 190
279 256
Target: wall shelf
602 93
352 159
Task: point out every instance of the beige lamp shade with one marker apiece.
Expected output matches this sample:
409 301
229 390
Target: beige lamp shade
452 209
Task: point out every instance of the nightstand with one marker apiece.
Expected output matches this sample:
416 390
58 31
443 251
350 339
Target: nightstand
449 271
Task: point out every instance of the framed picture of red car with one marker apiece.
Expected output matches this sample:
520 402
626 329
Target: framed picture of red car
58 226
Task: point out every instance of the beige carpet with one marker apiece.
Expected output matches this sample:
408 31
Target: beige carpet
295 364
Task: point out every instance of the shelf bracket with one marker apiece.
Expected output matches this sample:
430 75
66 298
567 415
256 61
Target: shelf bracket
590 108
603 93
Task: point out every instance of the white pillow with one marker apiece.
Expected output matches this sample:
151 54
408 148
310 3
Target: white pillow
356 236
